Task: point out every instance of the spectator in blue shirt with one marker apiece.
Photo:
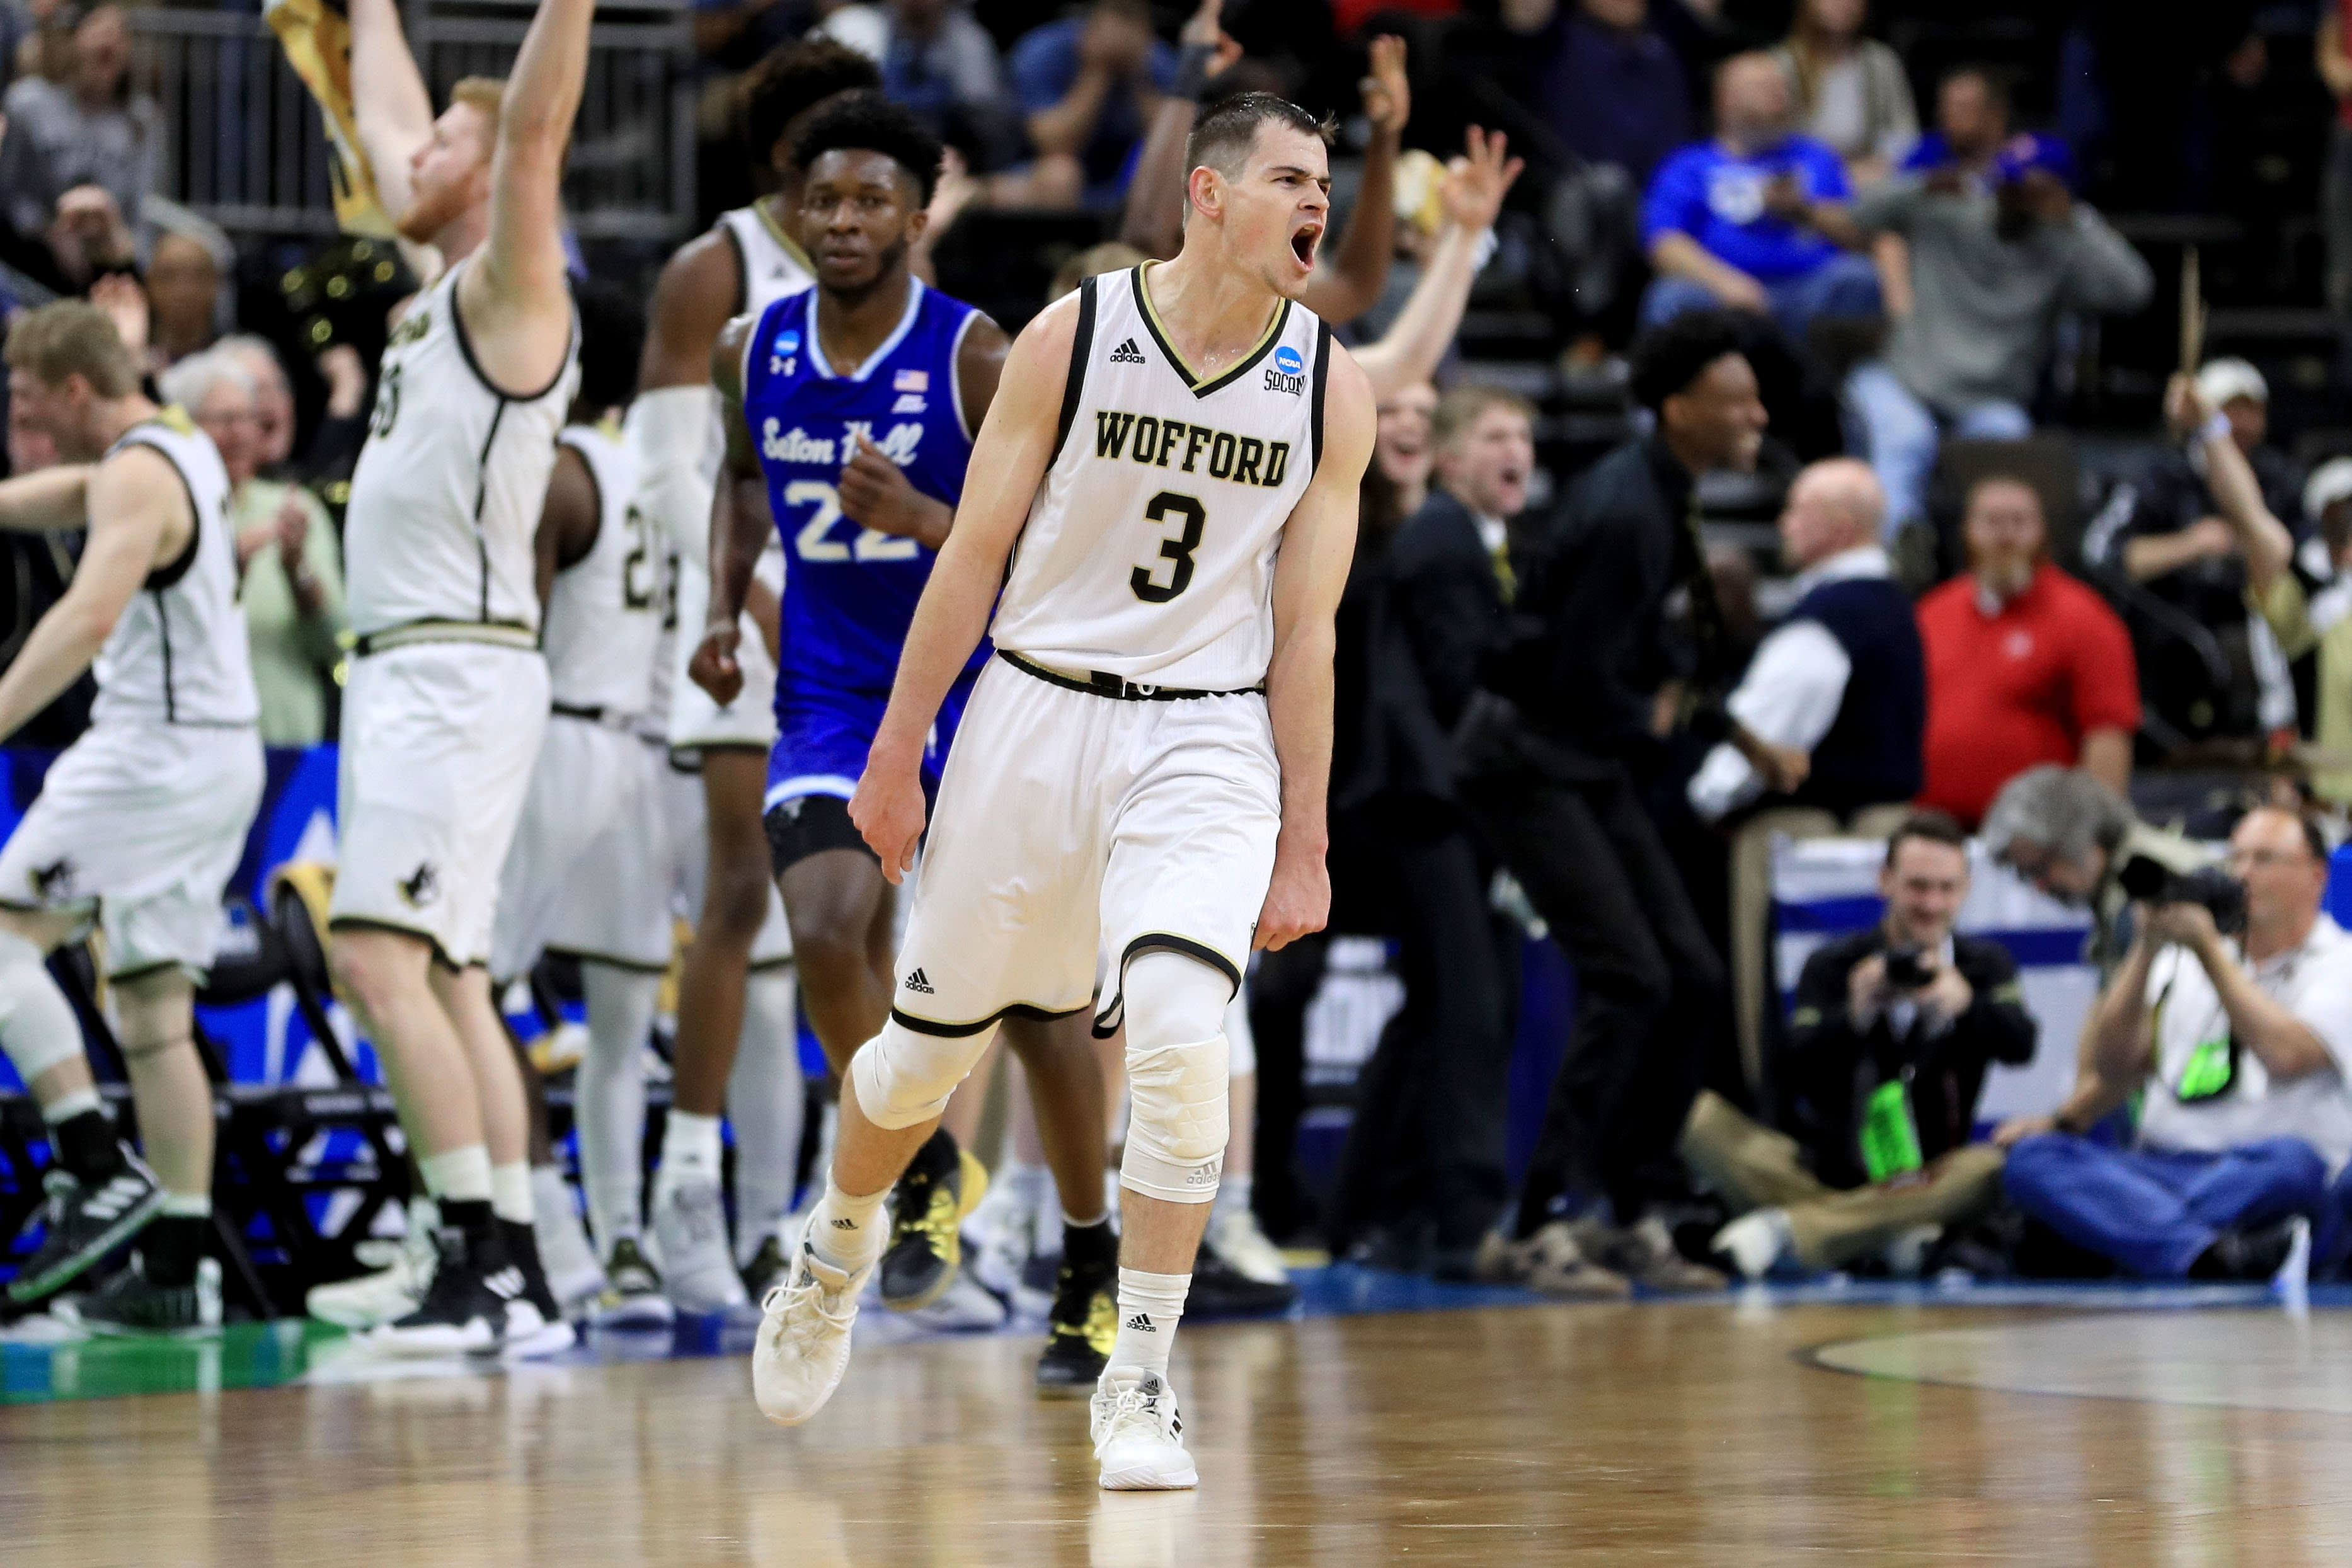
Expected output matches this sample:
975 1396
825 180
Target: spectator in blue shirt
1739 221
1971 123
1087 85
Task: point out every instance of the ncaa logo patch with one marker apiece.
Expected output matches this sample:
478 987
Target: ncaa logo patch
1287 373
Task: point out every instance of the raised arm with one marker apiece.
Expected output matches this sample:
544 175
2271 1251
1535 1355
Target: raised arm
1008 463
137 508
2269 548
393 111
1408 353
46 501
1153 220
1318 543
1350 281
517 307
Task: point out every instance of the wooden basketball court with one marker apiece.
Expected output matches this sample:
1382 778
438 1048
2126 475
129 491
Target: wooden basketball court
2173 1429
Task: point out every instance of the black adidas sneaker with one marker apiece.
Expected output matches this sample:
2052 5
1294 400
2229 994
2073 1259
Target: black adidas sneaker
80 1225
927 1213
1084 1321
466 1311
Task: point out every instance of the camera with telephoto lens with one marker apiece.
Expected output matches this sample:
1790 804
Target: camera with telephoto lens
1906 968
2152 882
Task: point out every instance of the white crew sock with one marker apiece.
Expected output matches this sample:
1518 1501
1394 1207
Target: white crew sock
769 1104
461 1176
510 1192
848 1232
1232 1197
1150 1308
691 1150
609 1099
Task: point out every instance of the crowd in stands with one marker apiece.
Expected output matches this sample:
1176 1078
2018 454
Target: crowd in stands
1818 279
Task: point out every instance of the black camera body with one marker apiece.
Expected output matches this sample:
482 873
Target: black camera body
2223 896
1906 967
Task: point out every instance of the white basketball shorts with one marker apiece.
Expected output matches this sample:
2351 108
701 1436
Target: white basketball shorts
139 827
695 720
438 745
1069 822
688 816
590 869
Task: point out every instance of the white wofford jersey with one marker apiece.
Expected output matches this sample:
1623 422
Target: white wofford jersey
1148 552
179 653
604 611
447 496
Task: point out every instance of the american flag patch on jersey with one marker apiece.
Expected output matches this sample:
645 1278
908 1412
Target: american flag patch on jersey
912 380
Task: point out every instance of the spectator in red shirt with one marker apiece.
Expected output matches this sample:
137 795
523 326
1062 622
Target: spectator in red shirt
2025 666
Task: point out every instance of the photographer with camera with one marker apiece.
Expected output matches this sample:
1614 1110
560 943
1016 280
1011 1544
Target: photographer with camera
2074 839
1893 1031
2233 1007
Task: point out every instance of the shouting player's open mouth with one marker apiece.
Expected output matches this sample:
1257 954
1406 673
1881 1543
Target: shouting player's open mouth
1303 241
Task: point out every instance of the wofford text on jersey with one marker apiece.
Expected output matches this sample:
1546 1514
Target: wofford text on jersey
1244 459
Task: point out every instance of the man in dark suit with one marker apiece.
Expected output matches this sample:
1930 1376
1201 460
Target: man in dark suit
1426 1149
1548 749
1894 1031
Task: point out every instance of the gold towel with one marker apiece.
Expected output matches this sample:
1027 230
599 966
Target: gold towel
317 37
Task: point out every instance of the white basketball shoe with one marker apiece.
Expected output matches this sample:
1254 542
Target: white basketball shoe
803 1347
1139 1434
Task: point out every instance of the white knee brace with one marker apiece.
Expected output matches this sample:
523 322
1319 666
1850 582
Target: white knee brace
903 1076
38 1027
1177 1071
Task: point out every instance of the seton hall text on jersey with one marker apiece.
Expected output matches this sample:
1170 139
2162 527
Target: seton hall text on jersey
1244 459
797 446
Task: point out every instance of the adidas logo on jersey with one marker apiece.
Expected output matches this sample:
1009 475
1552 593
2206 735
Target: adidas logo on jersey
1127 353
1141 1322
918 982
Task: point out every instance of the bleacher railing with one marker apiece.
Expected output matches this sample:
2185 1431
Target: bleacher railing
242 143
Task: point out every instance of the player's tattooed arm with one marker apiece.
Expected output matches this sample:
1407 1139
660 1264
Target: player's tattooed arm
139 519
47 500
1008 463
876 493
740 524
1318 543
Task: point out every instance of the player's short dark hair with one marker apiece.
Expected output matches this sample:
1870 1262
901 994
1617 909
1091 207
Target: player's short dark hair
1665 359
1928 827
794 79
612 340
1224 135
869 122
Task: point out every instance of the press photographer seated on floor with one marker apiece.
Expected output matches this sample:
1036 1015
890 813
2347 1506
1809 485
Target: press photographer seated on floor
2233 1009
1887 1047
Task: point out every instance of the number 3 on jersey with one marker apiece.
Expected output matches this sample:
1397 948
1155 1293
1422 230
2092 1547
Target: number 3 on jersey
1166 507
813 542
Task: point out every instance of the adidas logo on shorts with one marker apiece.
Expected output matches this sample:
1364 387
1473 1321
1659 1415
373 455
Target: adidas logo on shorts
918 983
1141 1322
1127 353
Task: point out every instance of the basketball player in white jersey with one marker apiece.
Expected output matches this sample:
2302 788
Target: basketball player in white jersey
748 259
1176 453
139 825
447 695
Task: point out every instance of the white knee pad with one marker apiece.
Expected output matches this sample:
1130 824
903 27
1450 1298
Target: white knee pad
1178 1065
38 1027
903 1076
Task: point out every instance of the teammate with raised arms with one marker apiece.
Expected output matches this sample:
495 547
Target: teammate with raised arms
1175 454
447 695
141 823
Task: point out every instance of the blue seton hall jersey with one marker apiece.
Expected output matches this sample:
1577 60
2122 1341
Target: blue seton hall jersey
849 591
